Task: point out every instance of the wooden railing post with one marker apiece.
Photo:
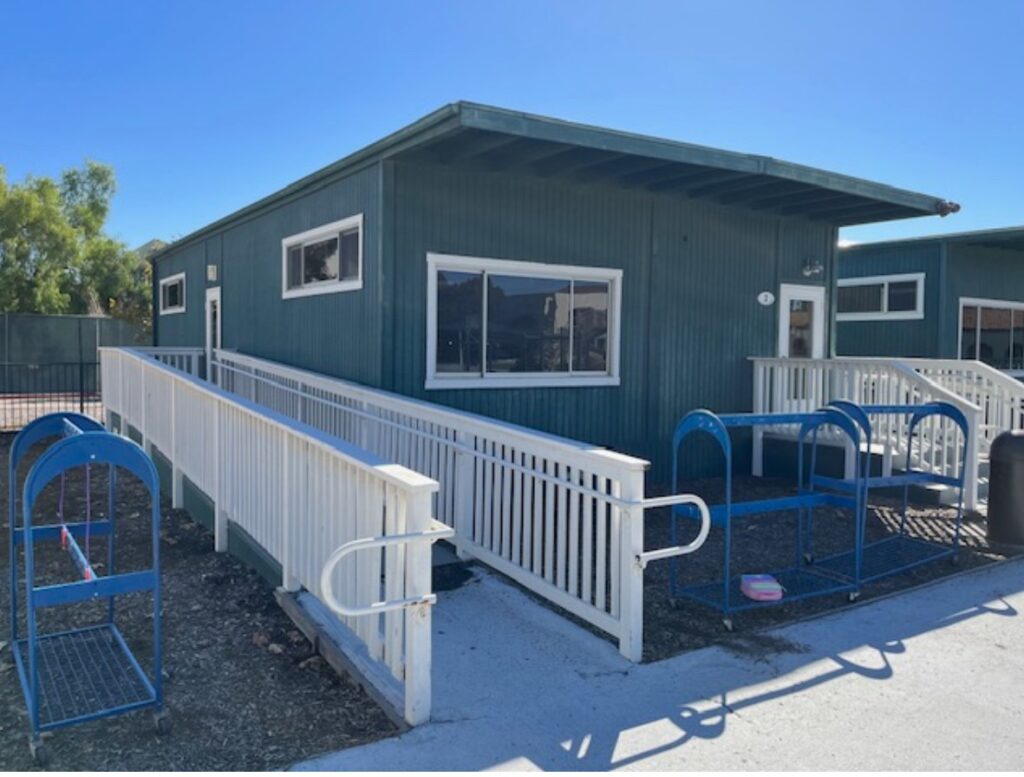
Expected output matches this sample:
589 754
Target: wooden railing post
971 466
289 474
631 573
177 478
220 516
462 492
757 457
417 617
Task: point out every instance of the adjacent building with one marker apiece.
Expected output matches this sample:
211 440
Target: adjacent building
947 296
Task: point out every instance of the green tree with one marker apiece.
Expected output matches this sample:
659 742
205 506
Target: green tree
54 255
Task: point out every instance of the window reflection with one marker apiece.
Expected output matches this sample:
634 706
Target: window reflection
527 324
459 321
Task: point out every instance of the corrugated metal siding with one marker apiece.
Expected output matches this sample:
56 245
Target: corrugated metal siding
692 272
914 338
985 273
183 329
338 334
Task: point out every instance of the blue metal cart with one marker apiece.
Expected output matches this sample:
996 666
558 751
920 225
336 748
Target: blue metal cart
799 580
899 552
78 675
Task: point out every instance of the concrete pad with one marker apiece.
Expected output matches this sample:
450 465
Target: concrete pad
932 679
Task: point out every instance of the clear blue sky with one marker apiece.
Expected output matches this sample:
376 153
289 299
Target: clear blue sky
204 107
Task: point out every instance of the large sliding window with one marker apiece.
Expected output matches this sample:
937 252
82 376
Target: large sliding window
992 331
881 297
494 323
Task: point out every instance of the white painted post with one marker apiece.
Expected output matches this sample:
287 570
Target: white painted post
177 478
417 617
463 493
971 467
631 573
757 459
220 516
289 582
146 446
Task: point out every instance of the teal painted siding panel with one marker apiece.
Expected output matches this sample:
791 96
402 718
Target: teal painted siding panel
692 273
983 273
914 338
337 334
183 329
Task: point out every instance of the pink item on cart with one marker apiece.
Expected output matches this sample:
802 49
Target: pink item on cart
761 588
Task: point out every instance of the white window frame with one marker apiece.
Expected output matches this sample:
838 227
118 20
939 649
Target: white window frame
167 282
323 232
884 281
441 380
982 302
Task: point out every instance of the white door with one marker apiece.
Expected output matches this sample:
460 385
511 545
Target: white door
801 321
213 314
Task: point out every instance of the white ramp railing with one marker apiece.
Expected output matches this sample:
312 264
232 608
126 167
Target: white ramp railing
300 494
803 385
999 397
188 360
562 518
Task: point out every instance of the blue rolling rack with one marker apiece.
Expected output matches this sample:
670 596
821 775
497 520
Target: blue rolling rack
899 552
801 580
82 674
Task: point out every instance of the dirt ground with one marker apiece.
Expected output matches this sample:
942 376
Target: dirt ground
244 689
764 543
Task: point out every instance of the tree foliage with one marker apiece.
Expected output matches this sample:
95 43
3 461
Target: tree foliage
54 255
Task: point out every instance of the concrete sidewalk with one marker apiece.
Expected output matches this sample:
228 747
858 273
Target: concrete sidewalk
932 679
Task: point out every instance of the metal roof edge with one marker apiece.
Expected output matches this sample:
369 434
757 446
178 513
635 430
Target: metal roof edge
487 117
987 235
379 149
459 114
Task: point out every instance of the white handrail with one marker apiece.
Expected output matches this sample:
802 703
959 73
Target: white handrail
645 558
437 532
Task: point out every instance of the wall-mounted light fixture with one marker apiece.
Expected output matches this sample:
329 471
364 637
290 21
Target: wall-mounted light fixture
812 267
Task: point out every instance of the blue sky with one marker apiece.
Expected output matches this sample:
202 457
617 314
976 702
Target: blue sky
204 107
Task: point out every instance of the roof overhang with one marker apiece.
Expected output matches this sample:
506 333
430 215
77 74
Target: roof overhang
496 139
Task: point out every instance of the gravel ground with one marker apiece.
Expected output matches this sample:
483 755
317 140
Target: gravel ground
766 542
243 687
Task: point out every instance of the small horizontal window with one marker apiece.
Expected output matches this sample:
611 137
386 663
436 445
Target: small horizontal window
172 294
880 297
495 323
324 260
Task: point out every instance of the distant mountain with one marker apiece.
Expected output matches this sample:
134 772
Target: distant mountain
148 249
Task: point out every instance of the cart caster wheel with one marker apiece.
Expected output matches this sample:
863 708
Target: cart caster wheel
727 622
853 596
40 754
162 723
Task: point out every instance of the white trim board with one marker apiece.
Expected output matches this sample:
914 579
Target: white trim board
795 291
180 276
323 232
435 380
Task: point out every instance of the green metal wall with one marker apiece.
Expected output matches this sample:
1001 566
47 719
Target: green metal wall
691 274
984 273
918 337
338 334
952 271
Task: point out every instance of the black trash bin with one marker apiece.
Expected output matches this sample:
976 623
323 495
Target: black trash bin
1006 489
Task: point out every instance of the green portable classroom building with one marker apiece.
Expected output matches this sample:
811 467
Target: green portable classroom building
586 282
